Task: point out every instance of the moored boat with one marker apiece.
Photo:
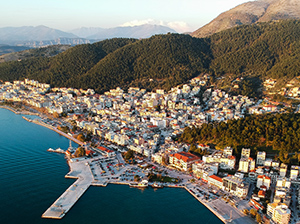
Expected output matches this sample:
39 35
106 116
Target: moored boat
58 150
142 184
157 185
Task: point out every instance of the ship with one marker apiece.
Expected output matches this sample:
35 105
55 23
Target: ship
142 184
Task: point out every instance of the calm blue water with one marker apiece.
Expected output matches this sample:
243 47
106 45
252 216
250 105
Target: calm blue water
31 179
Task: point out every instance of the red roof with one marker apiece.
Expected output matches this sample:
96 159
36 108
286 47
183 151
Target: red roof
88 152
185 156
216 178
261 193
104 149
263 177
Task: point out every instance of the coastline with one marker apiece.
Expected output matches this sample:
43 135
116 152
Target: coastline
216 213
19 112
41 123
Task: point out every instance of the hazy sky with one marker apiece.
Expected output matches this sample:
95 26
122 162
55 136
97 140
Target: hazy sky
181 15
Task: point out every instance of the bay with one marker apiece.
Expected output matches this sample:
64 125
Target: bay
31 179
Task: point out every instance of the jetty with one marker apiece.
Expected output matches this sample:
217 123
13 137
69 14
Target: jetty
66 201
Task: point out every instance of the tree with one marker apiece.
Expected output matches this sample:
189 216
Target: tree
258 218
80 137
79 152
137 178
129 154
253 212
246 211
193 148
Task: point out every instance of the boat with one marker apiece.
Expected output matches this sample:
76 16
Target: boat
157 185
142 184
58 150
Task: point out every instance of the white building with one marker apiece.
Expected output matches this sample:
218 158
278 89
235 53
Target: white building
280 213
260 159
263 180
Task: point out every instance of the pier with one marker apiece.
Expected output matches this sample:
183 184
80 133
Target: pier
66 201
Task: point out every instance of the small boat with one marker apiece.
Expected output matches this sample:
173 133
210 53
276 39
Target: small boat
157 185
142 184
58 150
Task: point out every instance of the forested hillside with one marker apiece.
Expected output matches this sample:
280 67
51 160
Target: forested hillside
64 68
278 132
169 60
253 51
268 49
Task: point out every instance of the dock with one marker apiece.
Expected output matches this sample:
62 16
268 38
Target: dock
66 201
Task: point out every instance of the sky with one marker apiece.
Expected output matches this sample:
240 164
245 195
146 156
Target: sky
181 15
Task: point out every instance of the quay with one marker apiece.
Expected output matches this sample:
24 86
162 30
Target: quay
89 172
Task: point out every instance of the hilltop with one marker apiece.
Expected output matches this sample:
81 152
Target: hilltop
49 51
255 52
249 13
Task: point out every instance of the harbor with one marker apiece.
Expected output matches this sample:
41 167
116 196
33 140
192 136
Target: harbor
103 170
89 172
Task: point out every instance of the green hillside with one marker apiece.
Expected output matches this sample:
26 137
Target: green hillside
280 132
163 61
265 49
62 69
167 59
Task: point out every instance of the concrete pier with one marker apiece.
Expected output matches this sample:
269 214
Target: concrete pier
65 202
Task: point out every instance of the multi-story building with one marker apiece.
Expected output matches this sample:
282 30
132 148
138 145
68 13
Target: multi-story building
183 160
204 170
260 158
246 164
235 186
283 170
245 153
279 213
215 180
294 172
227 151
263 180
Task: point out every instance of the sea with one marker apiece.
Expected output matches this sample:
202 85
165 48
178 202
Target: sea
31 179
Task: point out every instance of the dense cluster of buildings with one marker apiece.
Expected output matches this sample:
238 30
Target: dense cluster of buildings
146 123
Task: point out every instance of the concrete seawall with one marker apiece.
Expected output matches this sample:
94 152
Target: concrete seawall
207 206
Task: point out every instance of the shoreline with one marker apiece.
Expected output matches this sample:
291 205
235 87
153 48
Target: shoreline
41 123
19 112
213 211
216 213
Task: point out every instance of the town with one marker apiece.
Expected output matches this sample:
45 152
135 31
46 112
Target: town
143 127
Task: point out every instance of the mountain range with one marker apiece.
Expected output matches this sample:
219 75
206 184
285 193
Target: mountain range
255 52
251 12
38 36
142 31
244 14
